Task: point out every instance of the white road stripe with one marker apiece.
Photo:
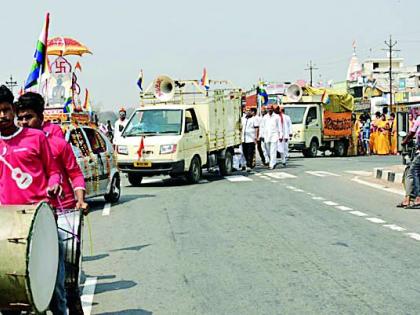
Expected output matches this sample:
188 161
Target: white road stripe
238 178
151 180
107 209
414 236
359 173
318 198
298 190
377 186
280 175
258 174
331 203
394 227
358 213
344 208
87 295
321 173
291 187
376 220
274 181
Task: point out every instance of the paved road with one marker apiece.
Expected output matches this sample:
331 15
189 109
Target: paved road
307 239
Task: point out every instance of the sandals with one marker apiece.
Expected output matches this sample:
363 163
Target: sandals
402 205
413 206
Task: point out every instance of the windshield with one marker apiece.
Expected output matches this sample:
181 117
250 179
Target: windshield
154 122
296 114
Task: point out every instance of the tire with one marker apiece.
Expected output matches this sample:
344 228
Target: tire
134 179
194 173
115 191
340 149
313 149
226 164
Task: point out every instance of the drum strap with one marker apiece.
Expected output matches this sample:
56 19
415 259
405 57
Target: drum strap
62 211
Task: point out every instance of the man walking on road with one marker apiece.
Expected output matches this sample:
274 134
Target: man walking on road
271 127
250 129
120 124
260 140
285 135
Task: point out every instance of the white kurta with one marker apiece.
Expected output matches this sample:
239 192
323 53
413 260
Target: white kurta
271 134
117 132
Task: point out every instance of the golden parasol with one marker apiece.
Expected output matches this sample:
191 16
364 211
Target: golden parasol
64 46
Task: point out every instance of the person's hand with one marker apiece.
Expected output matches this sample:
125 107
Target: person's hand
82 205
55 191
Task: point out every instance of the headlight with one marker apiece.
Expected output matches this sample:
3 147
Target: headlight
122 149
167 148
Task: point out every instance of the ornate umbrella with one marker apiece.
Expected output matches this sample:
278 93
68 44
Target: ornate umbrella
64 46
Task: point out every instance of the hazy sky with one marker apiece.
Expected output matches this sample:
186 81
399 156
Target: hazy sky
236 40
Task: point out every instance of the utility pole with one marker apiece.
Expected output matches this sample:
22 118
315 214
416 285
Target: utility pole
11 84
310 69
391 44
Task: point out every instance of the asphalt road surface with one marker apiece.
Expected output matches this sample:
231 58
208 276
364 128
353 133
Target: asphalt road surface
312 238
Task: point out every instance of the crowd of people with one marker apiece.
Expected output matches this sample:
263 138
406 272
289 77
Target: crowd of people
38 165
269 132
377 135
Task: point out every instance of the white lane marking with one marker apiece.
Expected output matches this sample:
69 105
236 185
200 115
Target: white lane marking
291 187
343 208
414 236
321 173
377 186
359 173
358 213
394 227
280 175
376 220
203 181
238 178
298 190
331 203
107 209
274 181
87 295
258 174
318 198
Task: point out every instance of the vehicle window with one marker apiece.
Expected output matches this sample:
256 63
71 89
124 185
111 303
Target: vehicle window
97 143
191 122
154 122
311 115
78 143
295 113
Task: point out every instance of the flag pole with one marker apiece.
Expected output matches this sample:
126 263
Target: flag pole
42 69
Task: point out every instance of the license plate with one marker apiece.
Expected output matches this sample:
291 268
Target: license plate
142 164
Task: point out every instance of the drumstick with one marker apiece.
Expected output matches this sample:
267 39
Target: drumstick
90 236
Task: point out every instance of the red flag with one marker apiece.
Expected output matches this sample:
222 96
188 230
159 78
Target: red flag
78 66
141 147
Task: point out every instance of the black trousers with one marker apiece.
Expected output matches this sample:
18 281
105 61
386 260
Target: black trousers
260 151
249 153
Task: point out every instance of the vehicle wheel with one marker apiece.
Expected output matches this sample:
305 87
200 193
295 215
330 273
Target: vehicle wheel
134 179
313 149
226 164
194 174
115 191
340 149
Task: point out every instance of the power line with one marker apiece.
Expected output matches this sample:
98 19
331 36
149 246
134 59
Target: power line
310 69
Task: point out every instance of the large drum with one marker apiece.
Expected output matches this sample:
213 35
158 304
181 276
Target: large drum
70 227
28 257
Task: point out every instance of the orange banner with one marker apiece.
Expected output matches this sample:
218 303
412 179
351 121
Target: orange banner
337 124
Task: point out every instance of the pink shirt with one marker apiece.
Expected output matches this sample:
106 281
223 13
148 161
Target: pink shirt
52 129
72 176
416 129
27 168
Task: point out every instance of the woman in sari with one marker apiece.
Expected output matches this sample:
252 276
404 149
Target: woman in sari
382 139
374 133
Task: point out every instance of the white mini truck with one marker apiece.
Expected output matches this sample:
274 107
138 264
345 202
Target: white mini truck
178 133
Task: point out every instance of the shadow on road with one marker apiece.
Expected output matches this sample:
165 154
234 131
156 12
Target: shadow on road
129 312
114 286
96 257
133 248
97 204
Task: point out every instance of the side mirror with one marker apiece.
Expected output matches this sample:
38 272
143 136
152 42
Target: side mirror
189 127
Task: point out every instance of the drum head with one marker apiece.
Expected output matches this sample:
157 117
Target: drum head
42 257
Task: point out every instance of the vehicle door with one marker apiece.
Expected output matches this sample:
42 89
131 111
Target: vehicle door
313 125
194 139
81 149
99 160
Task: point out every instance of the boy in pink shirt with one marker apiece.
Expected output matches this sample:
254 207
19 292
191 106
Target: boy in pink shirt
28 172
30 108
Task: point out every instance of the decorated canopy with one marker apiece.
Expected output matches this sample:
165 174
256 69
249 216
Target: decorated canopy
64 46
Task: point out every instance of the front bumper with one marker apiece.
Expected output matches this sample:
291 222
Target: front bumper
298 146
157 168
